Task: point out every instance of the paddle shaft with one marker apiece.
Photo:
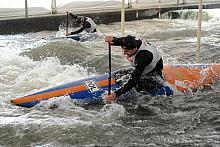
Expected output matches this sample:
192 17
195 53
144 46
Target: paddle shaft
110 69
67 21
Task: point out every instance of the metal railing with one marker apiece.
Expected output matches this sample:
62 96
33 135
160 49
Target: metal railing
8 13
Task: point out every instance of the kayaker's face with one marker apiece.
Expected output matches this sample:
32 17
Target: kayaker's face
129 52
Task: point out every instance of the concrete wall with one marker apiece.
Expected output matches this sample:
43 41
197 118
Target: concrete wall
51 23
24 25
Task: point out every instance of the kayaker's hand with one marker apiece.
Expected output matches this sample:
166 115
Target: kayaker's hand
109 39
111 98
67 34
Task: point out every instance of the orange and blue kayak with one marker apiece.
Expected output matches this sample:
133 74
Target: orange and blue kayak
192 77
179 77
89 89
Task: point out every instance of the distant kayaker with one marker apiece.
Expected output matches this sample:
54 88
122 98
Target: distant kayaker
87 24
147 75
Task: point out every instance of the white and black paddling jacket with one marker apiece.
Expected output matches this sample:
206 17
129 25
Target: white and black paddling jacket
93 25
146 60
156 56
88 26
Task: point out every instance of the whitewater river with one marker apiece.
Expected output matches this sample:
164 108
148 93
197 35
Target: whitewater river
29 63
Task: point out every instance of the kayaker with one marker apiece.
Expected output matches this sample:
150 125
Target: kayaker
148 63
87 25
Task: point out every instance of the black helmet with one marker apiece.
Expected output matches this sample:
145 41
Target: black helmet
73 16
80 19
129 42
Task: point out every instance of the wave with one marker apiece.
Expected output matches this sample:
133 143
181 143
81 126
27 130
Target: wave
192 14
